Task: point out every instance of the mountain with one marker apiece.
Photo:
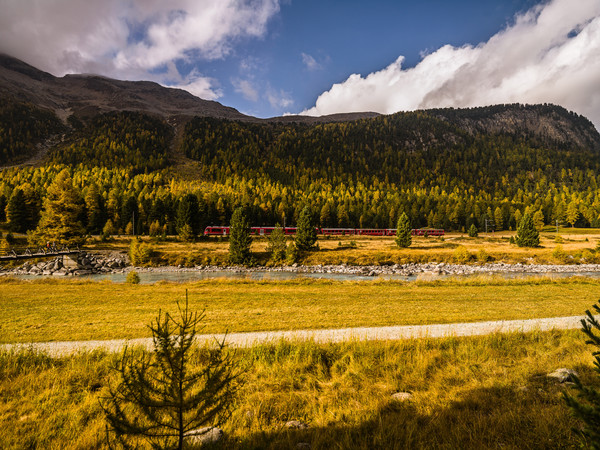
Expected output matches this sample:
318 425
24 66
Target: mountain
96 120
138 146
88 95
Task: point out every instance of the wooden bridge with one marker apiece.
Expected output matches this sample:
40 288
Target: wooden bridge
42 252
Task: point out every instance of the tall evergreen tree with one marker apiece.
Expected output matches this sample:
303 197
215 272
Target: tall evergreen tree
3 202
188 214
16 212
60 221
239 238
306 233
95 209
403 232
527 235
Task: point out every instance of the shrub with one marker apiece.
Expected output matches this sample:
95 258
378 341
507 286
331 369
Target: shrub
461 255
140 253
559 254
482 256
292 254
132 278
186 233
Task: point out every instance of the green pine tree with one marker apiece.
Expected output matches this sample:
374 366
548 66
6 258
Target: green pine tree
473 231
403 232
306 233
587 404
173 392
239 238
527 235
277 244
16 212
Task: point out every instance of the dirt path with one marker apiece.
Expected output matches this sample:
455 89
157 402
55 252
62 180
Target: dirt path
328 335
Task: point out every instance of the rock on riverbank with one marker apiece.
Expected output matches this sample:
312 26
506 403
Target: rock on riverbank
92 264
87 264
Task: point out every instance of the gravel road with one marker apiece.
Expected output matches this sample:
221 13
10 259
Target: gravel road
327 335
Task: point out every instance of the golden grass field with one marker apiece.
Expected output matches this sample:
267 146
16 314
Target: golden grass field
468 393
54 310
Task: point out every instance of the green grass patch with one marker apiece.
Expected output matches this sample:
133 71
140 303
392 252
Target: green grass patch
55 310
468 393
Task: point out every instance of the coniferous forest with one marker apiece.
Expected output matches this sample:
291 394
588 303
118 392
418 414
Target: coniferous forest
444 168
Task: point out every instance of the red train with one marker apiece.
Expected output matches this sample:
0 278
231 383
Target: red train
265 231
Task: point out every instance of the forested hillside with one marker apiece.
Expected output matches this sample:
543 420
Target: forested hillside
444 168
22 127
124 139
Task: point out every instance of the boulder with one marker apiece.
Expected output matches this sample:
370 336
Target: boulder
563 375
204 435
296 425
402 396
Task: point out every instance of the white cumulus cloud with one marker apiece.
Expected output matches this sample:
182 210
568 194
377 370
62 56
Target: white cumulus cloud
129 39
550 54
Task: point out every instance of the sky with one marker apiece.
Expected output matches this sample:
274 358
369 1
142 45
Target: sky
272 57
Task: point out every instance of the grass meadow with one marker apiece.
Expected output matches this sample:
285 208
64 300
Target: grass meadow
470 393
58 310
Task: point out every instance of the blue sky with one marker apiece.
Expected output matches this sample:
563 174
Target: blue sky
270 57
346 37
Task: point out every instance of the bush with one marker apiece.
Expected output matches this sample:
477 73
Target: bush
461 255
10 238
132 278
482 256
140 253
559 254
292 254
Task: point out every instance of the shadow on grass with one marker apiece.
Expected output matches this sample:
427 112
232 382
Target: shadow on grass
494 417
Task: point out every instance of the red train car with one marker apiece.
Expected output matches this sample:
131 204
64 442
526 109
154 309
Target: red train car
257 231
266 231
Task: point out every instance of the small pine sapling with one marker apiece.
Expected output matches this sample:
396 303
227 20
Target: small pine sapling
173 392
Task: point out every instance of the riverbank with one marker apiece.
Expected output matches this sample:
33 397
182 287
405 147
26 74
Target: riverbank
93 264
